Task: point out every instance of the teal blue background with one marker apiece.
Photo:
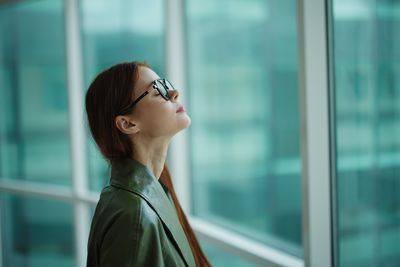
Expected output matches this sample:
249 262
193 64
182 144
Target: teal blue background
241 65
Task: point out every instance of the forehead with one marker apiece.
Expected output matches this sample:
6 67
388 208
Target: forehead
146 77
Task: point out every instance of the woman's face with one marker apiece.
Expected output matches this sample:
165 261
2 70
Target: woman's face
155 116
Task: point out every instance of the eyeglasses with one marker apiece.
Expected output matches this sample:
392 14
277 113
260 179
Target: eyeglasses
161 85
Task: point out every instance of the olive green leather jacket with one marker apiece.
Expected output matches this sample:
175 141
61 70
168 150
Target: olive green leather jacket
135 222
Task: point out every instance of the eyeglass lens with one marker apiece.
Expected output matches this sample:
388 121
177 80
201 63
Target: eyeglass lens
163 87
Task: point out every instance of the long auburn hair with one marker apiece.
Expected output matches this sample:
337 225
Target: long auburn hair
110 93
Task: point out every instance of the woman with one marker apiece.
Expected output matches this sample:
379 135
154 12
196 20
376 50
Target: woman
138 221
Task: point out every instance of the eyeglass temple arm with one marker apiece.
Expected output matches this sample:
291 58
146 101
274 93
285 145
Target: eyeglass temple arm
138 99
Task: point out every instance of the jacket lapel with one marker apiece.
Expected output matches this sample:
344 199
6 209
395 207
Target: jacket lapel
132 175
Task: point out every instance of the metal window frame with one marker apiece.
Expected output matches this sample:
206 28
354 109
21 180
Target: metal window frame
49 191
332 133
315 150
175 67
315 133
77 130
239 245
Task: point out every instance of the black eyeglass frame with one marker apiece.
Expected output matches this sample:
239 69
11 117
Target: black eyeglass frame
155 85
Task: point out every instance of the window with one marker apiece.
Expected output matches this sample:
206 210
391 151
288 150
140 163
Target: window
244 95
367 111
36 232
244 137
34 140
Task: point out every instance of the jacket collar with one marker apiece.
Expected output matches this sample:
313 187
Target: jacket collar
131 175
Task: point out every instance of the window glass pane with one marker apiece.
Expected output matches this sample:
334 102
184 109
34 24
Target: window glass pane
34 136
367 110
36 232
135 32
243 85
221 258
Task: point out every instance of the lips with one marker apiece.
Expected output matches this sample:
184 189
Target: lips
180 109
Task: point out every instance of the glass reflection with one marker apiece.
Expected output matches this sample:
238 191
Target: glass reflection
242 73
34 135
36 232
367 92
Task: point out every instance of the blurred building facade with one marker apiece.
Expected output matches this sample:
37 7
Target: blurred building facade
242 90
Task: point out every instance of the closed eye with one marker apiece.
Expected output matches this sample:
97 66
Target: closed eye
156 93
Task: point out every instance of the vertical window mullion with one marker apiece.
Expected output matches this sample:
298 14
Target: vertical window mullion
314 110
77 131
174 40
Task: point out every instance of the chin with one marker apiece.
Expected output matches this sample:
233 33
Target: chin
188 121
184 123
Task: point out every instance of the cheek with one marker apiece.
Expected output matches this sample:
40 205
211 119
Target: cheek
158 121
164 122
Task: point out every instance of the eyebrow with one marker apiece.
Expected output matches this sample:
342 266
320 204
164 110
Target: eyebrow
150 84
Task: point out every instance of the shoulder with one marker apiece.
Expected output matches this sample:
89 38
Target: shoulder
123 225
124 209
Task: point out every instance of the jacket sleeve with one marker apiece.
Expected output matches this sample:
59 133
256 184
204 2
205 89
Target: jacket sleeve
133 239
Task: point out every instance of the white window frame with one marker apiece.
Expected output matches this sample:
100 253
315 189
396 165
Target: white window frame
315 135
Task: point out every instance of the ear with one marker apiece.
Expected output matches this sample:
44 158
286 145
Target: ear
126 125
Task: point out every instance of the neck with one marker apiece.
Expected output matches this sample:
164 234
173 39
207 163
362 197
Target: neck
152 153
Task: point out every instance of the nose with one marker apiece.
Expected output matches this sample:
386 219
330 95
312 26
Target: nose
174 95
